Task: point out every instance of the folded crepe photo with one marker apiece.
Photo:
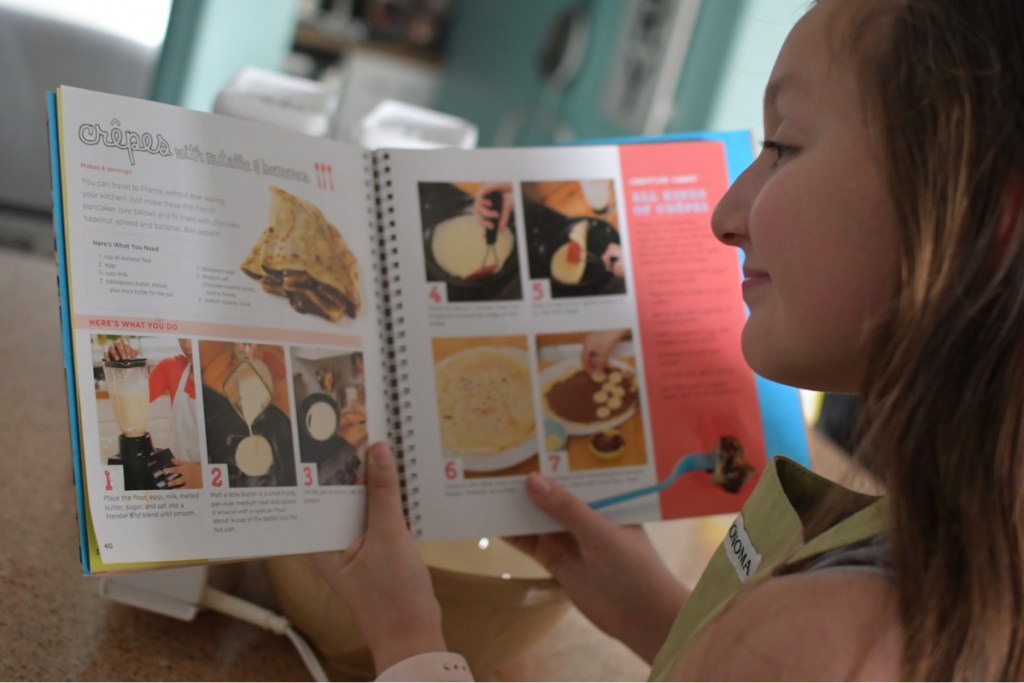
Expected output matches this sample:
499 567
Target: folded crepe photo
303 257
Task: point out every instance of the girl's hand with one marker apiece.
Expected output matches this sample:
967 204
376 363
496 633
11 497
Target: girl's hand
487 215
191 474
612 260
381 575
612 573
597 348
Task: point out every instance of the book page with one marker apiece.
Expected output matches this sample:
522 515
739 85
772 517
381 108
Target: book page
229 270
582 322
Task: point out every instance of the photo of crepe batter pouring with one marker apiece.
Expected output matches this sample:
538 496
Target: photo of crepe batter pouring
246 412
573 238
474 262
303 257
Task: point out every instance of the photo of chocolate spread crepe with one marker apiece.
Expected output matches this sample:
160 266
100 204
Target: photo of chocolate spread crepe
732 468
302 256
581 399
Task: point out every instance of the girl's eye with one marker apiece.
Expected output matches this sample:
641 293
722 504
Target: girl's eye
778 149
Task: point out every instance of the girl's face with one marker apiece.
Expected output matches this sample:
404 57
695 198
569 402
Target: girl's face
813 217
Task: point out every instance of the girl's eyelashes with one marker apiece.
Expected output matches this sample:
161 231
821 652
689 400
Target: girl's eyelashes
780 150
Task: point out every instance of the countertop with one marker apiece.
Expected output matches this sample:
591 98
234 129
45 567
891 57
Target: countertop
55 626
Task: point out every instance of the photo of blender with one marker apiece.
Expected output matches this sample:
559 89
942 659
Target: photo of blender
128 385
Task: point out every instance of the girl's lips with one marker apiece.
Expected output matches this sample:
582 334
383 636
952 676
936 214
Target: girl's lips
754 278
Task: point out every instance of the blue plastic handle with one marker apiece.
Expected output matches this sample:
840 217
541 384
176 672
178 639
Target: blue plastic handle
695 462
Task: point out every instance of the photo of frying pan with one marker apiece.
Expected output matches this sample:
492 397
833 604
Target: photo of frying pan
442 202
318 417
597 279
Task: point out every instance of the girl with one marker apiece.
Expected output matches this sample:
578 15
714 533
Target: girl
884 256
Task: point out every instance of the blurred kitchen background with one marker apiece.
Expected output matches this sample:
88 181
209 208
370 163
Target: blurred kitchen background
525 72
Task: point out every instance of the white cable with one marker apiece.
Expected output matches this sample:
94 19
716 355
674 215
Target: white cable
254 614
307 655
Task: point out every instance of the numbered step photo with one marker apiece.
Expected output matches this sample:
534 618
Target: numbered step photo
330 404
146 409
572 237
247 414
591 398
485 402
469 241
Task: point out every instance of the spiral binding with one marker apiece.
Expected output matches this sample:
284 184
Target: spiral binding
393 333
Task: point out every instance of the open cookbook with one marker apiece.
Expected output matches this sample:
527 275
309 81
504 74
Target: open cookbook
246 309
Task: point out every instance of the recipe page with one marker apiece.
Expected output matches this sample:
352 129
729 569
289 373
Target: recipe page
228 268
568 311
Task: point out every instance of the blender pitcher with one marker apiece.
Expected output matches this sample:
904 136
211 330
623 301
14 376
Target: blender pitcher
128 386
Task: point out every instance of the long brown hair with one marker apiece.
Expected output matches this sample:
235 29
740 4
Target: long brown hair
943 396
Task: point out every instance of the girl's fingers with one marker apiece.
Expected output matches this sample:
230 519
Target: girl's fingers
578 518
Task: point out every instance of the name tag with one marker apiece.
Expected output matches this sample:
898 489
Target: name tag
740 550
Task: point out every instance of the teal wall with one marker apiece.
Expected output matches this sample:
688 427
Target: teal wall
490 59
492 65
705 67
761 28
584 100
208 41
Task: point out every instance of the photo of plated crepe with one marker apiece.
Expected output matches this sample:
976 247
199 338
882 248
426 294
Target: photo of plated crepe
303 257
485 401
732 469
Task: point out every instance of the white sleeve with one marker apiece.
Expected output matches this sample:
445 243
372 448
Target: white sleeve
429 666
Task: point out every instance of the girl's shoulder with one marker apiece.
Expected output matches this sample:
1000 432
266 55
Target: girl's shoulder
826 625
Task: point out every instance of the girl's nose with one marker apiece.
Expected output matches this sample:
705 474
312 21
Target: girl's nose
730 219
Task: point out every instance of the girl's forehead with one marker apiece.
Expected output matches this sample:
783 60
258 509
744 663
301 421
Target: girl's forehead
803 62
821 52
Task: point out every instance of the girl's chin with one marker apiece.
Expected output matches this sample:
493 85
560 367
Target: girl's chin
777 365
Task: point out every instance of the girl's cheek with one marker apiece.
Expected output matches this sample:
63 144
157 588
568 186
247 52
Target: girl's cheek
764 224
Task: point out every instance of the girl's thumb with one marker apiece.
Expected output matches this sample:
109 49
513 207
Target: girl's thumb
578 518
383 493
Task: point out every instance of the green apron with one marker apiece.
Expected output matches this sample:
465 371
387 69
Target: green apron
765 538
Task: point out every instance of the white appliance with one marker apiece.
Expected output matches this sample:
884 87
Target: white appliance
108 45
